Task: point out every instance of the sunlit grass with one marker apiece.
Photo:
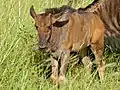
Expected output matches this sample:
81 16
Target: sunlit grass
21 68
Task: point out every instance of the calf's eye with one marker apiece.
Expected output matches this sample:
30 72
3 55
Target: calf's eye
49 27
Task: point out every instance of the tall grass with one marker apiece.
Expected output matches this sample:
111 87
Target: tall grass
21 68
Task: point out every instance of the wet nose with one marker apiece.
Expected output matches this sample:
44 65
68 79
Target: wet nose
42 46
42 43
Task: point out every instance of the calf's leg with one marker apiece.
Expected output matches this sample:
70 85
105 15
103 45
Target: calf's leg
63 68
54 76
97 46
97 49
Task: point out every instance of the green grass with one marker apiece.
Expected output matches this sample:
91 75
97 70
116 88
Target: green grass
21 68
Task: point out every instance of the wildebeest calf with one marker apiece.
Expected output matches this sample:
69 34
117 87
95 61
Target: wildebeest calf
71 31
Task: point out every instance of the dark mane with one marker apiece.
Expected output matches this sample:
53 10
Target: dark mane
59 9
91 6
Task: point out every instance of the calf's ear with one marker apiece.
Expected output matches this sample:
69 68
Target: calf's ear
56 17
60 17
32 12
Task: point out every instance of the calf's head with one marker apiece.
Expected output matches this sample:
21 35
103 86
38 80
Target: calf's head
43 26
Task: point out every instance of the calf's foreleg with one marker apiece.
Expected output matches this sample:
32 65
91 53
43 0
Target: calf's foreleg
63 68
54 75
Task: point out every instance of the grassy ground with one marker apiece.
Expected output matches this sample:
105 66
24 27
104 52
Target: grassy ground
21 68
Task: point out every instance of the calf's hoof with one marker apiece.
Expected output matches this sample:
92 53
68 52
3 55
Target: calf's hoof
101 73
54 79
62 79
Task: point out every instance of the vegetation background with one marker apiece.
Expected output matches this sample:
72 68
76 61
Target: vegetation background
22 68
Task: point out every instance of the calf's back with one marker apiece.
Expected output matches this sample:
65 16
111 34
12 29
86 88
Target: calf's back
83 29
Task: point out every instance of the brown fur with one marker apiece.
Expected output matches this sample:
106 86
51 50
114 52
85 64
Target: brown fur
86 29
71 31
